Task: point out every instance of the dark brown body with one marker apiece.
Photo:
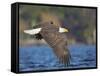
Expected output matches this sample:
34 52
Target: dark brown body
57 41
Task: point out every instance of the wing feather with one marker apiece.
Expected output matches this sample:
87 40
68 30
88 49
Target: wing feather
59 44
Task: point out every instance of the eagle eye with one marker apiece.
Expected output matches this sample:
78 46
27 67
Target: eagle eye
51 22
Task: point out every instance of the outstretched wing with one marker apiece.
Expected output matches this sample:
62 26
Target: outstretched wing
62 53
59 44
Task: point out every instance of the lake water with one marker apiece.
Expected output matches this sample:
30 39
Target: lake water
42 57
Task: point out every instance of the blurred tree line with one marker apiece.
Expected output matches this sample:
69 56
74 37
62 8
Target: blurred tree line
81 22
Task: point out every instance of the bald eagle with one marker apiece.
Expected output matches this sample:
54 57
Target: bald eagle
51 31
53 36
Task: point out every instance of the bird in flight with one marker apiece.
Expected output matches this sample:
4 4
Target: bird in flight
53 35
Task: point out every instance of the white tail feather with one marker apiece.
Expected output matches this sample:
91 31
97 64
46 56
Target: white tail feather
33 31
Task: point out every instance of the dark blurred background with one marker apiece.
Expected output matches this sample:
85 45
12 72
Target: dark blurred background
81 22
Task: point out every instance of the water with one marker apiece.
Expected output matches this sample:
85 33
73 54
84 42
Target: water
42 57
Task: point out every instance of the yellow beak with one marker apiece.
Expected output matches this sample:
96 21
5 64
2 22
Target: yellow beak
66 30
61 30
